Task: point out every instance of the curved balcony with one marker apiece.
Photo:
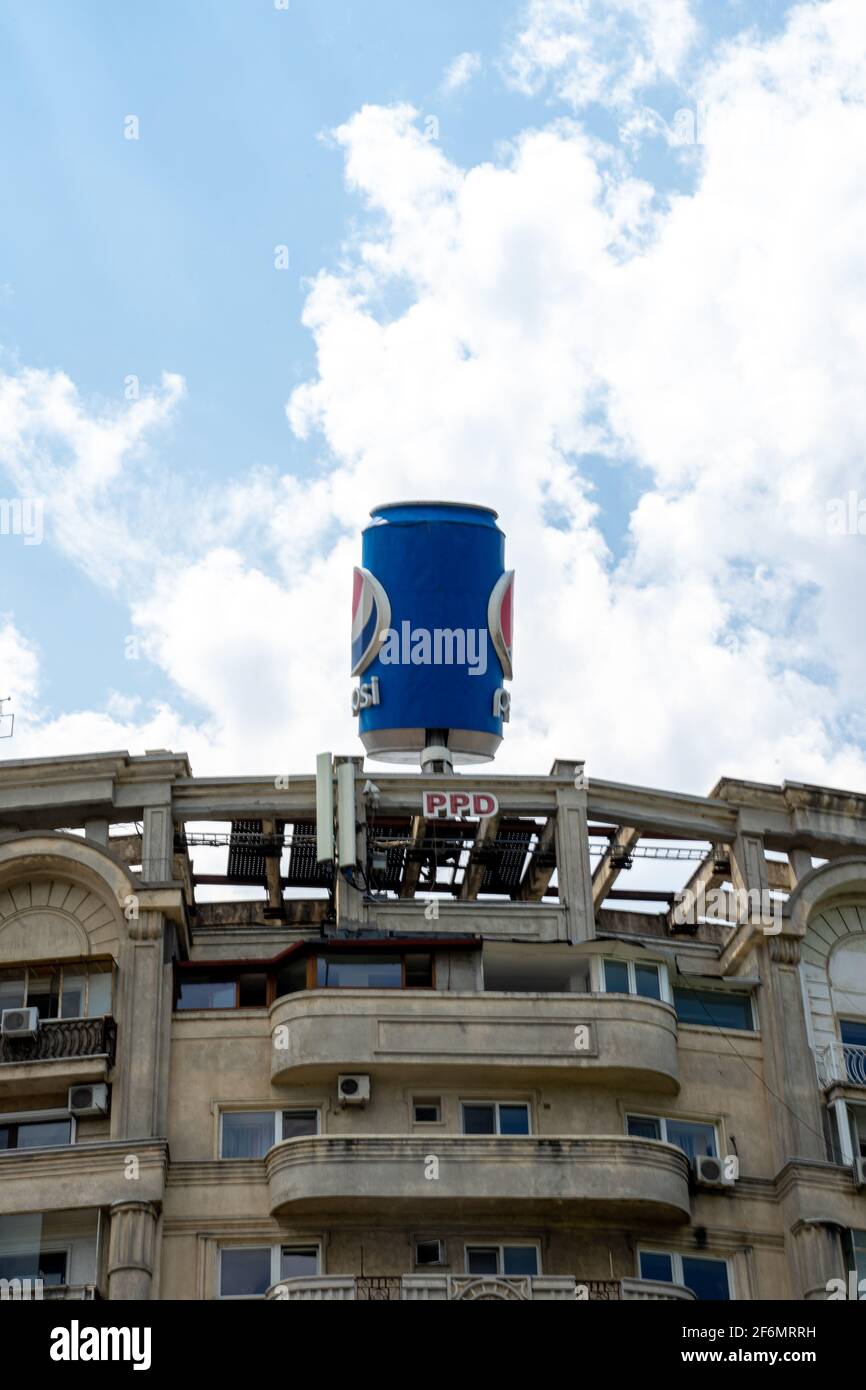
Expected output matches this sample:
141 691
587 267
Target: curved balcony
627 1040
613 1178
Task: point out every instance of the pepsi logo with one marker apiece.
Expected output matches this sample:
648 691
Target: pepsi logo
500 620
371 618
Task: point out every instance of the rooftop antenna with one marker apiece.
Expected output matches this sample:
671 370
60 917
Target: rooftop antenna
4 717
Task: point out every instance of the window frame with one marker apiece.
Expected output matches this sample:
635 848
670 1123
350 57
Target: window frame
52 1249
527 1104
276 1253
665 994
663 1120
748 995
429 1102
85 968
430 1240
676 1258
313 971
278 1114
19 1117
499 1246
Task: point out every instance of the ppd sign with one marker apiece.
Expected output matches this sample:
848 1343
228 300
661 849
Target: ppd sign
453 805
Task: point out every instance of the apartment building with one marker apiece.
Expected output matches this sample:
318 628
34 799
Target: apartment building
488 1060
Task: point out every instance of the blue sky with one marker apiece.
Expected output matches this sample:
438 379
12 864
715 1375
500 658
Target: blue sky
123 258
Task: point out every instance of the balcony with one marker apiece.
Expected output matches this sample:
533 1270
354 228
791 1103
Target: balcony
628 1040
77 1292
64 1052
612 1178
470 1288
840 1064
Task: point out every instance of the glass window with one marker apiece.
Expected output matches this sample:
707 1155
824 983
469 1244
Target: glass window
359 972
514 1119
245 1273
641 1127
99 993
297 1123
296 1261
647 982
494 1117
479 1119
72 1001
482 1260
427 1112
858 1247
11 992
695 1140
519 1259
714 1008
292 976
656 1266
206 994
707 1279
853 1032
49 1266
419 971
247 1134
429 1252
35 1134
43 992
252 990
616 977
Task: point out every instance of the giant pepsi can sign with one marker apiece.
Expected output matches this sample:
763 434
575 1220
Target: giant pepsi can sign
432 631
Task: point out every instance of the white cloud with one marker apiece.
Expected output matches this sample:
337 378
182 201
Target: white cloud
556 308
461 71
600 50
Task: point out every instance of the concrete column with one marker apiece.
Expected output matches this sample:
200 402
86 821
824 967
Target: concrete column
96 830
818 1257
749 873
157 845
132 1241
796 1125
573 870
146 984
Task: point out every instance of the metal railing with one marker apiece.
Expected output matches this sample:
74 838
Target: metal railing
839 1062
66 1038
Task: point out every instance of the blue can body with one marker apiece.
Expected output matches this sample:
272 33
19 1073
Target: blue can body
429 580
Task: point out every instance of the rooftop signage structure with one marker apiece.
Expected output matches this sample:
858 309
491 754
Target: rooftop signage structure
432 634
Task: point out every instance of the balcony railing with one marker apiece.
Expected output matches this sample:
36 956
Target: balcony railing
63 1038
841 1063
392 1288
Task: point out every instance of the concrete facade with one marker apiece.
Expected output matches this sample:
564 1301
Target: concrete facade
507 979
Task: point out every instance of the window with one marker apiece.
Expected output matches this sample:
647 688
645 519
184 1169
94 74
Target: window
857 1241
426 1111
707 1278
59 991
412 971
44 1132
47 1265
429 1252
502 1260
495 1117
202 992
249 1271
853 1034
250 1133
695 1140
633 977
714 1008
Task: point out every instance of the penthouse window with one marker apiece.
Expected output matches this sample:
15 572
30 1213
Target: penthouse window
695 1139
374 972
59 991
643 978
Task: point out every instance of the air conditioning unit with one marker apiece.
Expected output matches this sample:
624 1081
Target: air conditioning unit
709 1172
88 1100
860 1172
353 1090
19 1023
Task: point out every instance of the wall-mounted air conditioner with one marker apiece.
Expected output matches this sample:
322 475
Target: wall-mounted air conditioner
709 1172
19 1023
88 1100
353 1090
